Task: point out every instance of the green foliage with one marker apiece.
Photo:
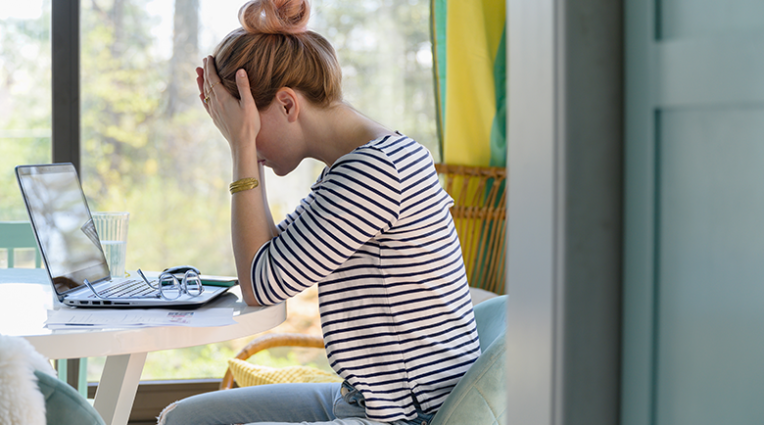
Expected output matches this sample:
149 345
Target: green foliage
384 48
25 107
211 361
153 151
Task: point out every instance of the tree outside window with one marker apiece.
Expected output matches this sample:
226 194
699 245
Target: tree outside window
148 146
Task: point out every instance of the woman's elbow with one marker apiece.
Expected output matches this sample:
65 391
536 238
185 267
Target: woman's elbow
251 301
248 292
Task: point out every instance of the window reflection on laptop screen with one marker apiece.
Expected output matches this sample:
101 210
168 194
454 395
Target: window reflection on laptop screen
64 227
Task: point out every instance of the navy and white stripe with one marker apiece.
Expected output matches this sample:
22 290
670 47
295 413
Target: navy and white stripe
376 236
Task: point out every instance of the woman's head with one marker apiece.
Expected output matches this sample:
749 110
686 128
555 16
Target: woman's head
275 48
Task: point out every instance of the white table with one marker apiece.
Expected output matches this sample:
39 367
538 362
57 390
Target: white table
26 295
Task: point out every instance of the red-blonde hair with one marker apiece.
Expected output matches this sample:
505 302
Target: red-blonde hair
276 49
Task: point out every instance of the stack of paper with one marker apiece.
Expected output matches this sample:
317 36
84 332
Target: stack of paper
73 318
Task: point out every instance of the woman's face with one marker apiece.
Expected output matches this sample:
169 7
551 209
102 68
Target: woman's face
277 144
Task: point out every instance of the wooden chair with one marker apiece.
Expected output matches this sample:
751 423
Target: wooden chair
479 214
18 235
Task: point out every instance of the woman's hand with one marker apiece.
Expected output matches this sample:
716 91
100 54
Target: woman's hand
237 120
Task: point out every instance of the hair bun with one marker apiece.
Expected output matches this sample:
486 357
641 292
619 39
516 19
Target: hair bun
275 16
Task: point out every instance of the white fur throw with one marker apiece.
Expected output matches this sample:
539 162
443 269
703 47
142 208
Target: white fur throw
21 401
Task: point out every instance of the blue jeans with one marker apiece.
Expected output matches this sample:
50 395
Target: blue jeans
278 404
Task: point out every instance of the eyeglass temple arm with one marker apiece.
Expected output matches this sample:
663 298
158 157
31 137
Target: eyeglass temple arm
90 286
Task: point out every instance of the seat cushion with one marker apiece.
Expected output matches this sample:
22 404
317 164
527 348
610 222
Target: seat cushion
479 295
491 318
64 405
480 396
247 374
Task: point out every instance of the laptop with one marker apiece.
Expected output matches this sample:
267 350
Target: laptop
72 252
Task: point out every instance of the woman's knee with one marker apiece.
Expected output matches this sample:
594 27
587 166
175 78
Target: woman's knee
193 410
162 418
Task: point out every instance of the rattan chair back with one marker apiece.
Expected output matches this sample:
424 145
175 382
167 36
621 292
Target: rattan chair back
479 214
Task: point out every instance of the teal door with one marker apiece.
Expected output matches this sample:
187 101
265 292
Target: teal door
694 255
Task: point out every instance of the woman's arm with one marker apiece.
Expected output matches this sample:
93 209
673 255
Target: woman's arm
269 217
249 221
359 198
239 122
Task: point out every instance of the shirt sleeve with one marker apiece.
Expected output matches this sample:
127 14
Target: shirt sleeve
301 206
358 198
291 217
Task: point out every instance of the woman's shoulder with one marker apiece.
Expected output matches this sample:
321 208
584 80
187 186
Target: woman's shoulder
383 158
392 143
393 148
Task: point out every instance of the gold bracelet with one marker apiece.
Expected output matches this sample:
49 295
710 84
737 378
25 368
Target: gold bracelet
243 184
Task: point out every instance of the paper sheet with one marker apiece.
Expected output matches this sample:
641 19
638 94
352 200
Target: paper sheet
74 318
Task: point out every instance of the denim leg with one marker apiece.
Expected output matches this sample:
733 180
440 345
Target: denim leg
286 403
276 404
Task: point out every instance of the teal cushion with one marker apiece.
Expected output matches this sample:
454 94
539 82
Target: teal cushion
491 318
64 405
480 398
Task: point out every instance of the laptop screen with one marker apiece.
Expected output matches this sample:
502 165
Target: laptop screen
63 225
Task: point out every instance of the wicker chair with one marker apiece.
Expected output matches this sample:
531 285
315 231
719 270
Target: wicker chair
479 214
267 341
480 396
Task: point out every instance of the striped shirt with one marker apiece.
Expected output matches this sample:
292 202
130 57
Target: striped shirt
376 235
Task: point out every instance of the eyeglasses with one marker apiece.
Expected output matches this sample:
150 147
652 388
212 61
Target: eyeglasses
167 286
170 288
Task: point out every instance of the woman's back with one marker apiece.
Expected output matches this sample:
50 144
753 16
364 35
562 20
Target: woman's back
377 237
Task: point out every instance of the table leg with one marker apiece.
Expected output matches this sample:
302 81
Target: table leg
119 383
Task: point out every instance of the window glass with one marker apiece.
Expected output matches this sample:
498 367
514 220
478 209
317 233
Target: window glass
25 96
148 146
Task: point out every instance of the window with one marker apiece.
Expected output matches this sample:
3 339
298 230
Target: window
25 96
148 146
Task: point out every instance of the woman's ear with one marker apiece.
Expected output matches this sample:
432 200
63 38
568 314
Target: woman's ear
288 103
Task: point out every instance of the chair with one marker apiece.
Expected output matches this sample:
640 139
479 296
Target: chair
18 235
479 214
64 405
480 396
34 389
286 339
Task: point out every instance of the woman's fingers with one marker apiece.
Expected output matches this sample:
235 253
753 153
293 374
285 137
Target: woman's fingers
245 94
238 121
200 83
210 74
200 79
212 89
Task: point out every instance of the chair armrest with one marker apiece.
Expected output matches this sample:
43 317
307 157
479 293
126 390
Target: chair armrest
267 341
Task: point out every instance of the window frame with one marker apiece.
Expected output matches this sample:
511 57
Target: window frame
65 146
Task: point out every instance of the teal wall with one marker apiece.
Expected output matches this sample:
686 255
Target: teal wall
693 316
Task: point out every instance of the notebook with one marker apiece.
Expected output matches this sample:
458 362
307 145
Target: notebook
71 249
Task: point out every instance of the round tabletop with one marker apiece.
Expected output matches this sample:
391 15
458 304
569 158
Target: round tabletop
26 296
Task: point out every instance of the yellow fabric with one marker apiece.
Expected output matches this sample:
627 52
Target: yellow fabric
247 375
473 37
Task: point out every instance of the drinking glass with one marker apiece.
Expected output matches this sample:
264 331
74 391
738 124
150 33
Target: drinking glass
112 232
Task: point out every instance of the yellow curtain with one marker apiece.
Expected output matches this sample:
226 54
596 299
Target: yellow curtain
470 56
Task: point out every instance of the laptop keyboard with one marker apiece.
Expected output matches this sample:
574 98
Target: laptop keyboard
128 288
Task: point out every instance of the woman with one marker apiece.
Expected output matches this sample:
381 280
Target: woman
374 234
